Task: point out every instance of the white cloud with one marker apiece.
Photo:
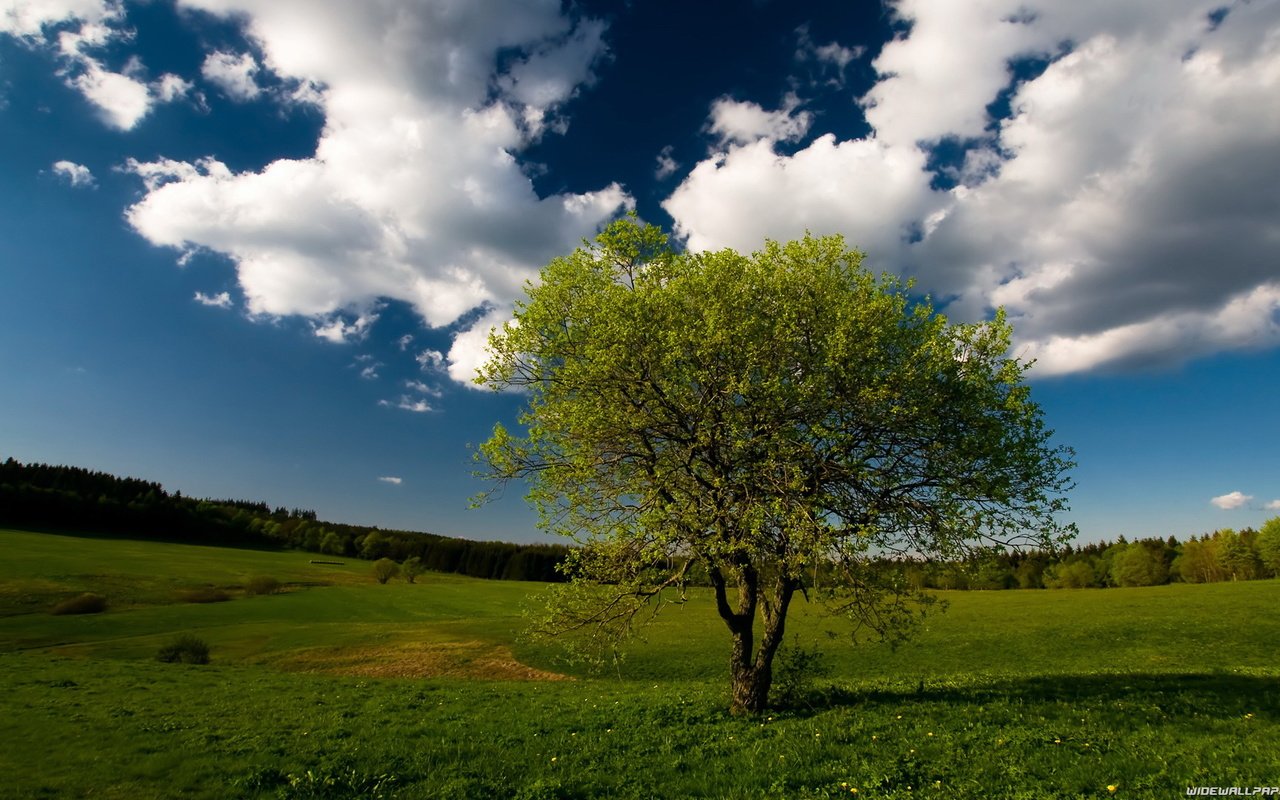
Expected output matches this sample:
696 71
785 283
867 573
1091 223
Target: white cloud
1274 505
391 479
1125 212
667 165
407 403
338 330
232 74
404 341
414 191
1231 500
78 30
170 87
219 300
422 388
739 122
430 360
75 174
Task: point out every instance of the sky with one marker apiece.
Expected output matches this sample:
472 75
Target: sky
252 248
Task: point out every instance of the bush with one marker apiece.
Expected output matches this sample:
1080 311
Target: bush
87 603
205 594
185 649
384 569
262 584
795 672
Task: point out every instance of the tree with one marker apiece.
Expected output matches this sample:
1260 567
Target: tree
384 569
754 417
1138 565
412 568
1268 544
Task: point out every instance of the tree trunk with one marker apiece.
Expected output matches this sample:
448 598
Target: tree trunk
751 671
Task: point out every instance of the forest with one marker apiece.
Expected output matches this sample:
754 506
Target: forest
41 496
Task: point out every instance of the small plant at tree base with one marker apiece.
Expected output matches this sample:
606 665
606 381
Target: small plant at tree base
796 668
384 569
185 649
87 603
262 584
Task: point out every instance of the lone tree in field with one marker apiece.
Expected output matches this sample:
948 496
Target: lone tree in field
763 419
384 569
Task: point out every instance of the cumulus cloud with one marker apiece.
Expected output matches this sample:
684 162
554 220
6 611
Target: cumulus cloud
338 330
233 74
391 479
831 58
414 191
79 30
219 300
739 122
1124 210
1274 505
1231 500
73 173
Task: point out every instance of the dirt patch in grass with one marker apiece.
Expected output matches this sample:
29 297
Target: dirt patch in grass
473 660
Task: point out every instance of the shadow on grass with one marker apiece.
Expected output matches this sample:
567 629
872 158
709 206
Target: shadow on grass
1214 694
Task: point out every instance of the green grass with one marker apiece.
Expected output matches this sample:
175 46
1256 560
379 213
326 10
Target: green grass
1009 694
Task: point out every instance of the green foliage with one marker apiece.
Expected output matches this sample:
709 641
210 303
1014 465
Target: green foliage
1026 694
185 649
411 568
1137 565
1268 545
1078 574
262 584
384 569
87 603
757 416
796 671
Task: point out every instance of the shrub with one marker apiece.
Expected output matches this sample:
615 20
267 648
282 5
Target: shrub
262 584
87 603
205 594
412 568
795 672
384 569
185 649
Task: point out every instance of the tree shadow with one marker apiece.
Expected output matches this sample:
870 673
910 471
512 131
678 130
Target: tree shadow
1221 695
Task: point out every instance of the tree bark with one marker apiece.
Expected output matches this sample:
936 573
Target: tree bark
751 671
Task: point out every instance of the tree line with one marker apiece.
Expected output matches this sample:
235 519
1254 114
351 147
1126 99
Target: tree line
74 498
1224 555
44 496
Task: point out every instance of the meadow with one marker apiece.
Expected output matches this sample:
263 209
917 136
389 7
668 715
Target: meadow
341 687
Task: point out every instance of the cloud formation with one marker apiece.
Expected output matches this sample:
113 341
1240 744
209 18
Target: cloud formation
395 481
219 300
1231 500
75 174
1274 505
1124 210
414 191
233 74
80 31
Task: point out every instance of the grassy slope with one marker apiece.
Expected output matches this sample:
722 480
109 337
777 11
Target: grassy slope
1010 693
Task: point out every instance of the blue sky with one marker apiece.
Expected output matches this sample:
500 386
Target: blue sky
251 249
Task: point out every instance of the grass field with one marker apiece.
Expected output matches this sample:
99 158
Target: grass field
340 687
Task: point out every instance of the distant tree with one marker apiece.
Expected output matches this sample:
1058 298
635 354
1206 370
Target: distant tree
374 546
1076 574
1138 565
756 415
332 544
384 569
1268 545
1236 559
1198 562
412 568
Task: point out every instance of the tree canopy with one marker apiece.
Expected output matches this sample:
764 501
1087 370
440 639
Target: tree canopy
760 417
